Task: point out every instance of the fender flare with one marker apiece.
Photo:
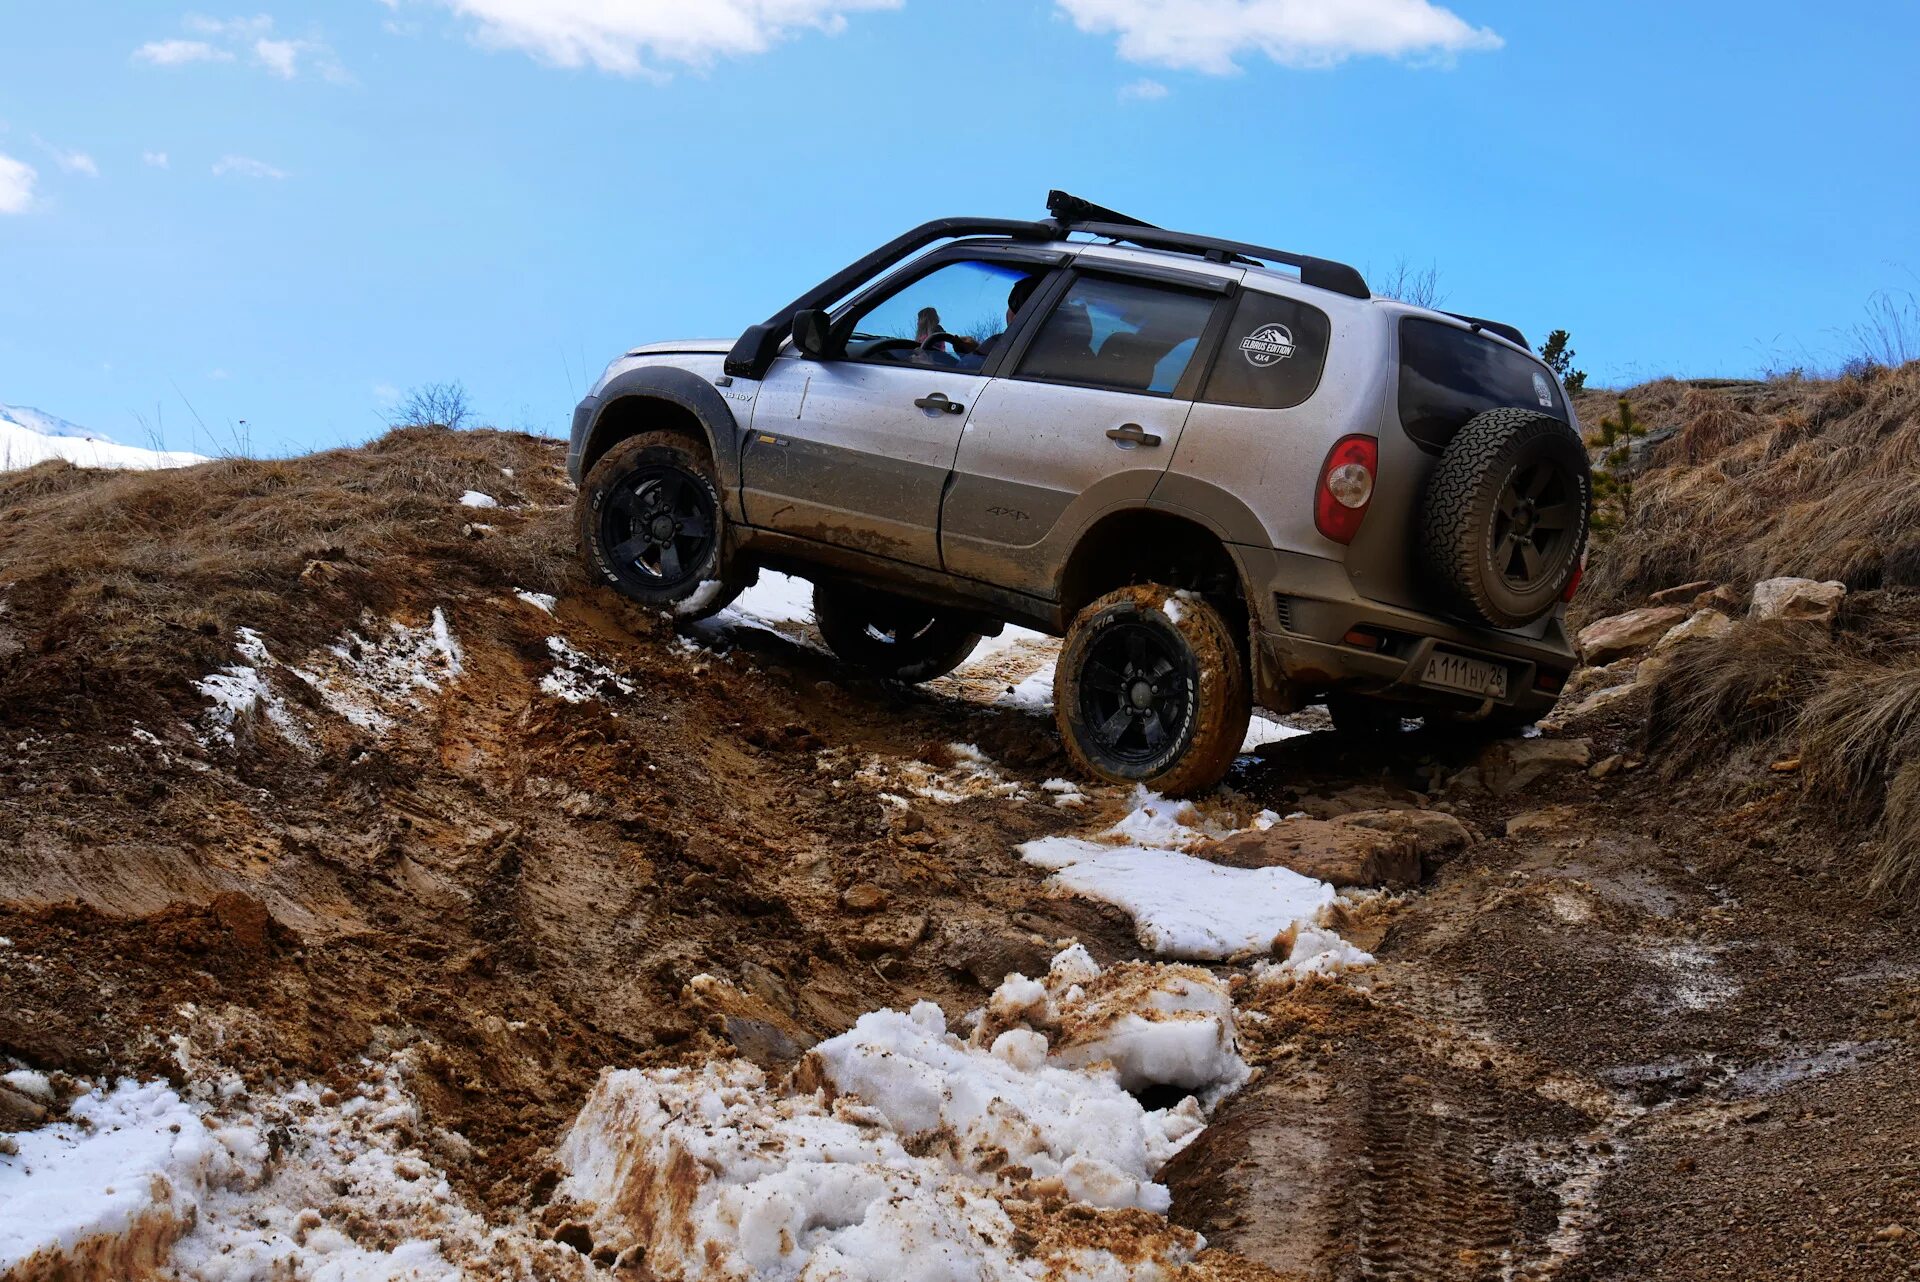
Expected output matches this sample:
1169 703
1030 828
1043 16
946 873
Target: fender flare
682 388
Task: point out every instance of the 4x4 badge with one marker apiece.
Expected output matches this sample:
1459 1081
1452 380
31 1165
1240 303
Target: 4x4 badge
1267 345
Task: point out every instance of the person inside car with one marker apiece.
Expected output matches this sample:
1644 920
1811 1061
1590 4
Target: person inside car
963 346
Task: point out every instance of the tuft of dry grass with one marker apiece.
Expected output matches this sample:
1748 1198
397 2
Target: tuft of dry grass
1782 690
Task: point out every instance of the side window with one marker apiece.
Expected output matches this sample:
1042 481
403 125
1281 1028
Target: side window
1124 335
951 318
1273 354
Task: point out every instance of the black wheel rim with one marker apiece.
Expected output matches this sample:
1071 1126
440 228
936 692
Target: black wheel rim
1134 691
659 526
1534 523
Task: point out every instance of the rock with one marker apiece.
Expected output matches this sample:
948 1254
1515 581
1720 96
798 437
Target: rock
895 936
1890 1233
1341 854
1512 765
1607 766
1702 625
1435 833
863 897
990 958
1622 634
245 917
1724 599
17 1108
763 1043
1545 822
1685 594
1797 600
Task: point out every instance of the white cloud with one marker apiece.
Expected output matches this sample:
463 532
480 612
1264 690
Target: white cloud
1209 35
633 37
246 167
16 185
74 162
178 53
229 39
158 159
1143 91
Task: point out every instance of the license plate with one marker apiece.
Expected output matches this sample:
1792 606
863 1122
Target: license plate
1469 676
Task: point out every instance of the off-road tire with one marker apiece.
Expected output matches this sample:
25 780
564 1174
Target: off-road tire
650 460
1467 537
1200 704
1358 717
891 637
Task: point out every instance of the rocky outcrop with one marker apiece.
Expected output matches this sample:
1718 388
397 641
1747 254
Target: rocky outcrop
1797 600
1621 635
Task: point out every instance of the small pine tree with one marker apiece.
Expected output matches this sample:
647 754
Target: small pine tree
1613 478
1559 359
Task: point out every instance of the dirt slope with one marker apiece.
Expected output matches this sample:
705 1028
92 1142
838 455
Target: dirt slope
1656 1033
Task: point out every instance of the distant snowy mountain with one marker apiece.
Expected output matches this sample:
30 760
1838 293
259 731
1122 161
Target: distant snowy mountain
28 436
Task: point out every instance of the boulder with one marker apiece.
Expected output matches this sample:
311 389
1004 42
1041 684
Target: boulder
1797 600
1548 821
1436 834
1702 625
1341 854
1685 594
1724 599
1623 634
1513 765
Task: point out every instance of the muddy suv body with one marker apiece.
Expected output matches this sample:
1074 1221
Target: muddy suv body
1382 505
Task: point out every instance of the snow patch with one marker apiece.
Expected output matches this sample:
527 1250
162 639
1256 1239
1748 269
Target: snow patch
892 1154
369 678
28 437
475 498
576 678
243 690
972 774
542 601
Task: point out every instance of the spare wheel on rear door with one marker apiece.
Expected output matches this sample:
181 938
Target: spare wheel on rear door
1504 521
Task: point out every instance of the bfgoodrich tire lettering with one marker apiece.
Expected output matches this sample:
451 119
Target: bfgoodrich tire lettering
651 525
1150 688
1505 516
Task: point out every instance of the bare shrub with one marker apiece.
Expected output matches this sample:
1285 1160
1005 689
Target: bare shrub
1716 695
1897 870
1417 285
434 405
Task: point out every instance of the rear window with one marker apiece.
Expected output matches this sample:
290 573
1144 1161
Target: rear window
1273 354
1449 375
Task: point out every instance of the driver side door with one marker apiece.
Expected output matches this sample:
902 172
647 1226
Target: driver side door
855 451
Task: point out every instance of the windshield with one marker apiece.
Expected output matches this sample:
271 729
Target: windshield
1449 375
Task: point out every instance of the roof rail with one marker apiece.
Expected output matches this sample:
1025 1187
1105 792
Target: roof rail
1072 214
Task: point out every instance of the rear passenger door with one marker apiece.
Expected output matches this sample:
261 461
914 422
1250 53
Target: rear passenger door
1086 416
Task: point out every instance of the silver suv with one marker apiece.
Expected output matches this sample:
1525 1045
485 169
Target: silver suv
1228 475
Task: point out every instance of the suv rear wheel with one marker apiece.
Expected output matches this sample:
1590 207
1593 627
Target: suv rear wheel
1151 688
1505 517
891 636
650 521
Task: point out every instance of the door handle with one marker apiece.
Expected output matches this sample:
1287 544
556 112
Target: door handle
939 401
1130 436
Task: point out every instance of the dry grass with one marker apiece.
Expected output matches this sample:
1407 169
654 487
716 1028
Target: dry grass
1771 690
127 585
1820 479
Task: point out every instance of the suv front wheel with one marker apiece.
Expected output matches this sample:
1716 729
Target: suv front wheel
1151 688
650 521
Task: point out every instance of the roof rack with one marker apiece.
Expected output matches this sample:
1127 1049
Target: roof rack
1071 214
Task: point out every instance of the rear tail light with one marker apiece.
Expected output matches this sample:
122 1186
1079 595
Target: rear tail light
1573 584
1346 487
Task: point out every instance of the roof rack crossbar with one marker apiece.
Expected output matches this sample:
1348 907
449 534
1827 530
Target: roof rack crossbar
1073 214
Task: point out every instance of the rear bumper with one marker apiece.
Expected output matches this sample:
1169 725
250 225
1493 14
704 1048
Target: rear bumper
1306 606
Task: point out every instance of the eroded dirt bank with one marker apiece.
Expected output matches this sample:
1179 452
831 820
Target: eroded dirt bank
446 802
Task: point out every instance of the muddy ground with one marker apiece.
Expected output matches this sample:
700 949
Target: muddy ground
1658 1034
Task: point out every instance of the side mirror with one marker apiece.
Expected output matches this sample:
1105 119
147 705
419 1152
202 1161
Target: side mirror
812 333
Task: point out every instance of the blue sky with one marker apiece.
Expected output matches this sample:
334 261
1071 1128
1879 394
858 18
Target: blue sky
284 214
